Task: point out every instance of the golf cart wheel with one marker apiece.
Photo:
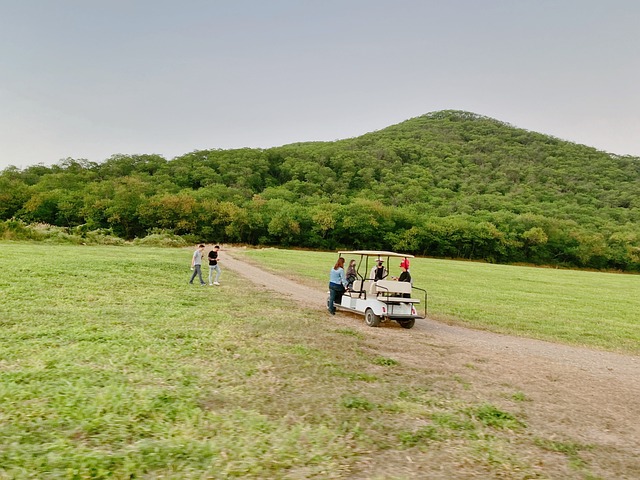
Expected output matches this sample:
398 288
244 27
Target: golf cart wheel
407 323
371 318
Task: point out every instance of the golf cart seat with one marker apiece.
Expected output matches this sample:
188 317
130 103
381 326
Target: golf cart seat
390 291
362 288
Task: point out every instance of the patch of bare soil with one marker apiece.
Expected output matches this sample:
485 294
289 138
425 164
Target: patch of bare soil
572 394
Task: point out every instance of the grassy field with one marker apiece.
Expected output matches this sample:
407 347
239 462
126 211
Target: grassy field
599 310
112 366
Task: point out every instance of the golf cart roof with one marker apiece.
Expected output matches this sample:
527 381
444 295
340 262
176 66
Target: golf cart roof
375 253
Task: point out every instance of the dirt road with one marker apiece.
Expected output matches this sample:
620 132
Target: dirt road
588 396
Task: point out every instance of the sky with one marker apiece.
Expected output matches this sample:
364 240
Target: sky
88 79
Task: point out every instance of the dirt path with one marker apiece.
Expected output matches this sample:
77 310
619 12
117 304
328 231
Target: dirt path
575 394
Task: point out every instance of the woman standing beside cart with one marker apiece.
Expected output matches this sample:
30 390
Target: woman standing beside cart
337 284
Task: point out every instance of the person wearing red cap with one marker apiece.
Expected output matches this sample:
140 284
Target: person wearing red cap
405 262
405 276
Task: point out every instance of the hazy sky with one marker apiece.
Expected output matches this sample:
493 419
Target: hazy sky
92 78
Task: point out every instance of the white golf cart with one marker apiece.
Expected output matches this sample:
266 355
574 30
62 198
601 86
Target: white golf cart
384 299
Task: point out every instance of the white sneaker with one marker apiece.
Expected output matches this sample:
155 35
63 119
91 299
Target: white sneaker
210 284
216 283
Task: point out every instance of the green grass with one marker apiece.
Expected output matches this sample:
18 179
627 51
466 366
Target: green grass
593 309
112 366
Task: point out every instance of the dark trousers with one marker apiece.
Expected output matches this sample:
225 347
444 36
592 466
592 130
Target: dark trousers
335 296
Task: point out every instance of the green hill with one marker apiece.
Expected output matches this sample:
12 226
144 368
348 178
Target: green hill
481 164
448 184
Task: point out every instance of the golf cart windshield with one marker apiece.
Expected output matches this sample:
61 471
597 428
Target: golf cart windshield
375 253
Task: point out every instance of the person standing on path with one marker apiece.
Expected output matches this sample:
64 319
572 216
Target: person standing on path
214 258
337 284
196 265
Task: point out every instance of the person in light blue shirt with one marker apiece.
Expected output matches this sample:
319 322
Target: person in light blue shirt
337 285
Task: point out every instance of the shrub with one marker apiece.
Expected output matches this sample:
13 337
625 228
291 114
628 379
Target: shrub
161 240
18 230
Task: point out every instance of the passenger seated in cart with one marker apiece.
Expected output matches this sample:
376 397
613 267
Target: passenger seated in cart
378 272
352 275
405 276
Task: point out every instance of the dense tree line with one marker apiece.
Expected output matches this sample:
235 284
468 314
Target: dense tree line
446 184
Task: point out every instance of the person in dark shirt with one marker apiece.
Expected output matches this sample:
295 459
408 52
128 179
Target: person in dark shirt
405 276
213 265
378 272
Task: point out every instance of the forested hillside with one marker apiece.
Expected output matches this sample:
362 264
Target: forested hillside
446 184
